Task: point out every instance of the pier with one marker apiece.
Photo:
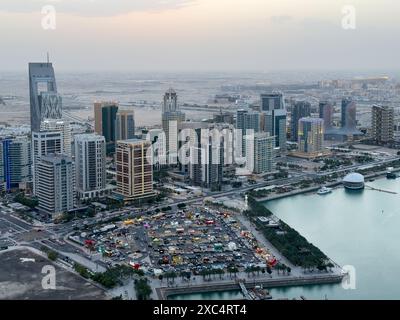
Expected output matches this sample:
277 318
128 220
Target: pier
380 190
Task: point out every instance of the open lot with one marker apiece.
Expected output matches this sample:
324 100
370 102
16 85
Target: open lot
21 278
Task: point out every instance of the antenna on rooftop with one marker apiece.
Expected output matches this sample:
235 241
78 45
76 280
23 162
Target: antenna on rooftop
48 58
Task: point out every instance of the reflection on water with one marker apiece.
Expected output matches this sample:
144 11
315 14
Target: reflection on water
354 228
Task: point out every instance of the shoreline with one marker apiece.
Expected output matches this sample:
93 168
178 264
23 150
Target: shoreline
164 292
380 174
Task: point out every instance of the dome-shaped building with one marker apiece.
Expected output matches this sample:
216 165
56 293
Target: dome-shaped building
354 181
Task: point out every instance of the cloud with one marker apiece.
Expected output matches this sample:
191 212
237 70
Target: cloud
281 19
93 7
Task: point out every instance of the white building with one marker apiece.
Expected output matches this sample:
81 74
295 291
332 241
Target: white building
44 143
55 184
260 153
62 126
90 163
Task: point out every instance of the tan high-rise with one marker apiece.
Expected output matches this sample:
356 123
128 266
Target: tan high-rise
133 170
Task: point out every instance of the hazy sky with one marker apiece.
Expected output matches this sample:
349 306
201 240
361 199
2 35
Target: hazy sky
201 35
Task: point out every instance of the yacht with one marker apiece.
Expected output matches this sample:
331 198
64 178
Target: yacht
324 190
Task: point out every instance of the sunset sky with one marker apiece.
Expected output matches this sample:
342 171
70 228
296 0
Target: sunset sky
201 35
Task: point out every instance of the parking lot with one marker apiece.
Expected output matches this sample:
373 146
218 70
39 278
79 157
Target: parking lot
192 239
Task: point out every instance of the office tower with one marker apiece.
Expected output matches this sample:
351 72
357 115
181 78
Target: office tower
90 165
326 111
157 140
60 126
105 115
170 102
272 101
16 162
248 122
44 143
206 160
260 153
274 118
51 105
300 110
43 93
56 184
125 125
348 115
382 124
2 176
134 170
311 135
171 119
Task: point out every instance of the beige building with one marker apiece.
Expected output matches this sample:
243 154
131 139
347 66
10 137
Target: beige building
134 171
382 127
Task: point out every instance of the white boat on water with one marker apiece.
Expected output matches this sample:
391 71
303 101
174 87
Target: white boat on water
324 190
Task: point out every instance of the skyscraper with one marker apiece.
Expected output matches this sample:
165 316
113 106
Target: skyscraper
300 110
207 159
171 119
90 165
56 184
248 122
134 170
44 100
60 126
382 124
44 143
326 111
260 153
105 115
311 134
274 122
170 102
348 115
272 101
16 162
125 125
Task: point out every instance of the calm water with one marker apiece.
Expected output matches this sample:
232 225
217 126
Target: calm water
361 229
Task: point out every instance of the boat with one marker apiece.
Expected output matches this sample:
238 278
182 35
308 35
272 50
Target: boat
324 190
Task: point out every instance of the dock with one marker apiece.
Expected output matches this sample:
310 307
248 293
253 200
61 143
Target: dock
380 190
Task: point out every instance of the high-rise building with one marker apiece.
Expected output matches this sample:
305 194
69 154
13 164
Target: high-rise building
16 162
2 175
171 119
51 105
348 115
326 111
170 124
170 102
272 101
382 126
61 126
105 115
207 159
274 118
311 134
157 139
248 122
56 184
300 110
134 170
44 143
260 153
44 101
125 125
90 165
